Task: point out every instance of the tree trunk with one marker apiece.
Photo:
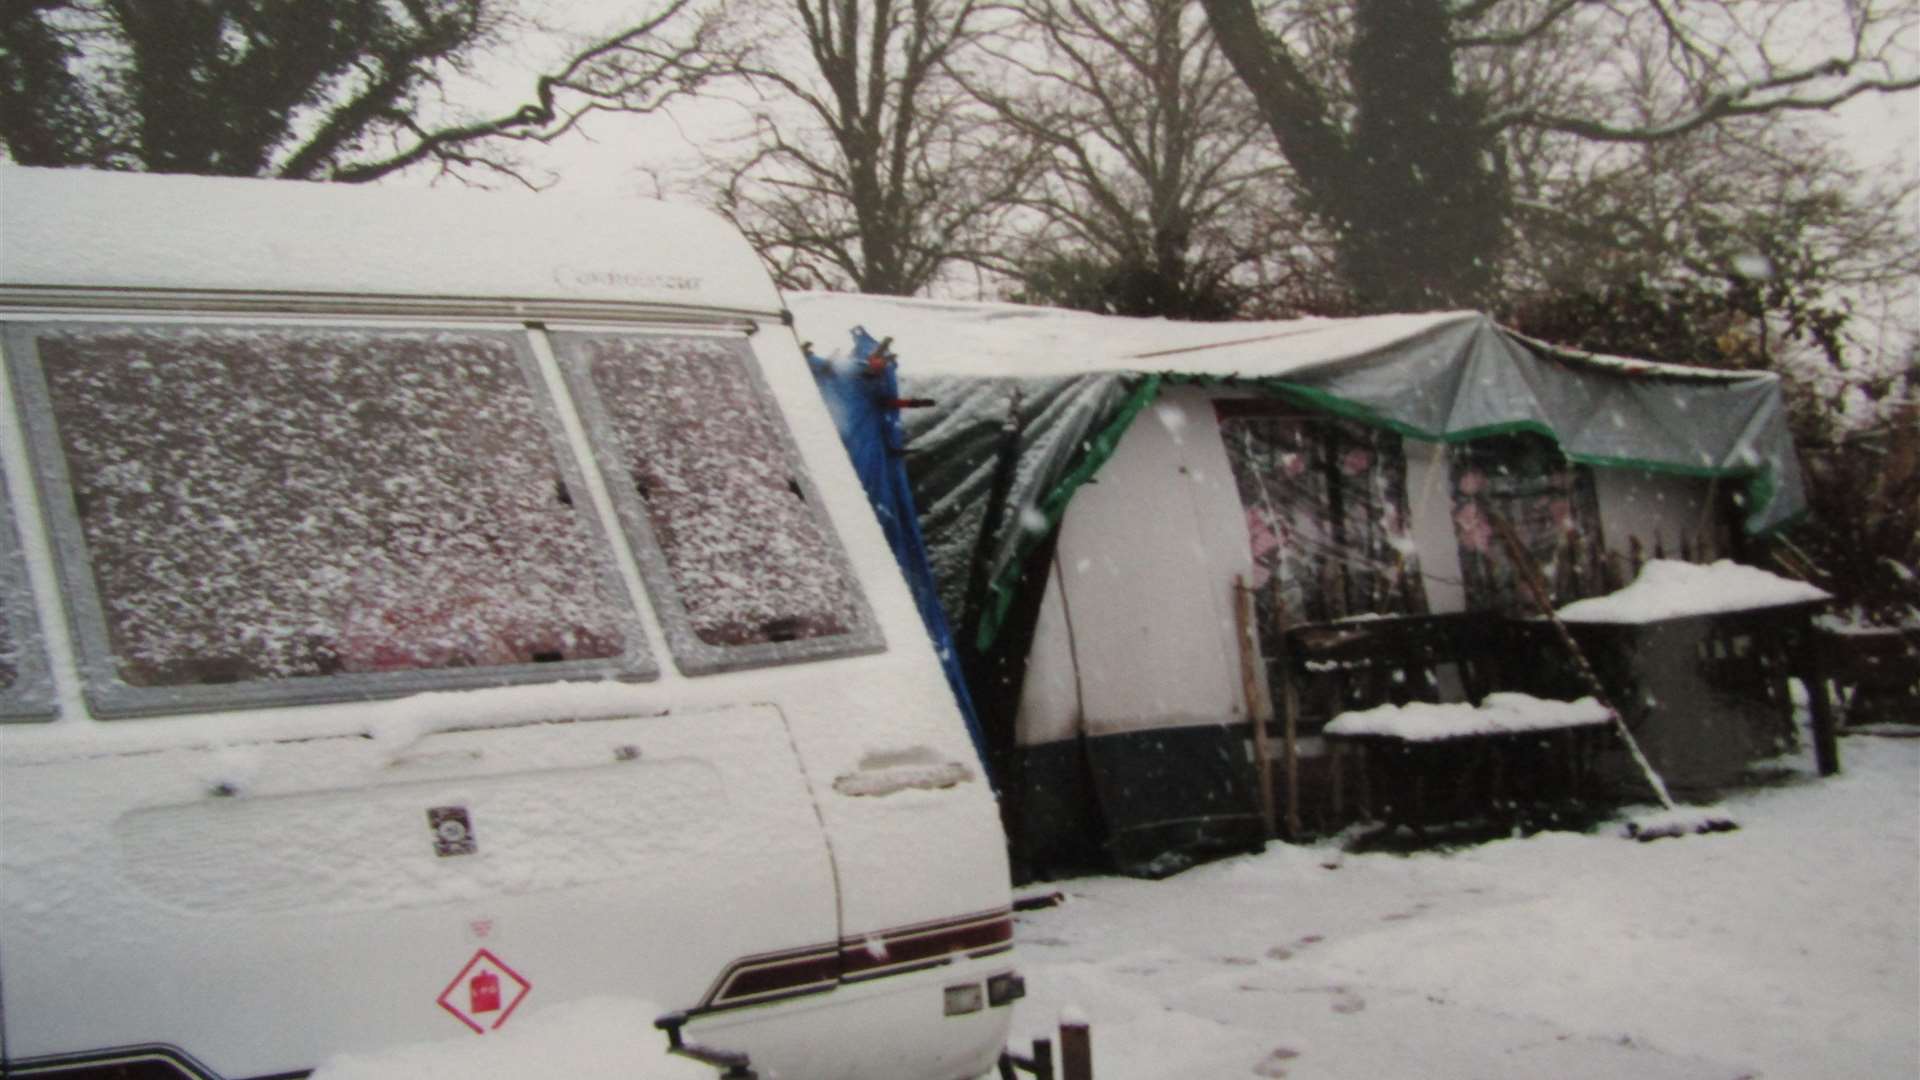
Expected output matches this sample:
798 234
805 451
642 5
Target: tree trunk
1413 192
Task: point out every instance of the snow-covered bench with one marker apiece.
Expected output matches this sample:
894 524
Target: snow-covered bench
1497 714
1347 667
1424 763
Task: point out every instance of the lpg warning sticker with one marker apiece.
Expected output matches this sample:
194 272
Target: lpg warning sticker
485 993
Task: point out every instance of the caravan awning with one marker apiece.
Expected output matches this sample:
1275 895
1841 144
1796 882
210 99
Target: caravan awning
1055 390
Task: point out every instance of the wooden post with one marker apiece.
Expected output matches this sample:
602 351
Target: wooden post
1250 692
1290 711
1337 761
1076 1050
1810 665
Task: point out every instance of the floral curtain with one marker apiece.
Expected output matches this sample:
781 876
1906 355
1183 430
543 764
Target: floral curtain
1326 507
1552 507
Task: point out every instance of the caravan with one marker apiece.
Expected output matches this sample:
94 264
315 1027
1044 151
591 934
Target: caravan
423 609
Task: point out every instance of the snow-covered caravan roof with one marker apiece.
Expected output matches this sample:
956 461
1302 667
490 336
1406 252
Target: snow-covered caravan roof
80 229
1444 376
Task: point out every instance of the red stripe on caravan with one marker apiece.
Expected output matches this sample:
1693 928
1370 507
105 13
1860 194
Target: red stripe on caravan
757 978
767 976
893 951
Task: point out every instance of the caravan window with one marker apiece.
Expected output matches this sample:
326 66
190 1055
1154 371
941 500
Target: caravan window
25 689
1552 506
303 513
739 556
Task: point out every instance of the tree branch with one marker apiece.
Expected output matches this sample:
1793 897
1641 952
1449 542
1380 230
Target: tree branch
1722 105
622 72
1510 38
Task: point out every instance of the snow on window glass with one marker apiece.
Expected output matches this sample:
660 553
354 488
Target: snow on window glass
9 670
9 642
264 503
26 689
749 559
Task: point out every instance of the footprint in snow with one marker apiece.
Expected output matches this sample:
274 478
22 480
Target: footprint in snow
1275 1064
1345 1001
1399 915
1285 952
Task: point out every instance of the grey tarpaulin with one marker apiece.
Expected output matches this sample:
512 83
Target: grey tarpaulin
1449 376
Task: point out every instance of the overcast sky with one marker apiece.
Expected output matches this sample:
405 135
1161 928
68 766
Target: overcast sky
623 155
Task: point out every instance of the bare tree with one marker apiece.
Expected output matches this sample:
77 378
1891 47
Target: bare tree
1156 164
868 167
290 88
1741 241
1406 140
1711 61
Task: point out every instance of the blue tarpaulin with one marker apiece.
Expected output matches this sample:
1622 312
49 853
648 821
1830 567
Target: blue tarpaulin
863 396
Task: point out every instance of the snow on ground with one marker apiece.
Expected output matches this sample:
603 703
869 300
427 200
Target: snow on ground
1787 949
1790 948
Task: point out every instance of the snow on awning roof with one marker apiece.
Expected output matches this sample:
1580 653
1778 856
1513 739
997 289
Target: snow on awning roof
981 339
1445 376
946 337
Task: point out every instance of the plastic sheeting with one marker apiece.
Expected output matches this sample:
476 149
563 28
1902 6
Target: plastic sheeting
1031 401
862 398
1054 432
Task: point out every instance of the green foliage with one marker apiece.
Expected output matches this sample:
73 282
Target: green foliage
1085 283
47 112
1761 298
1862 539
218 87
1773 308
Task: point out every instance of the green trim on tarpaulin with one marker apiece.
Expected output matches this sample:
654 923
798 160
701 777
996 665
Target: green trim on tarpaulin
1447 382
1760 482
1052 505
1761 487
